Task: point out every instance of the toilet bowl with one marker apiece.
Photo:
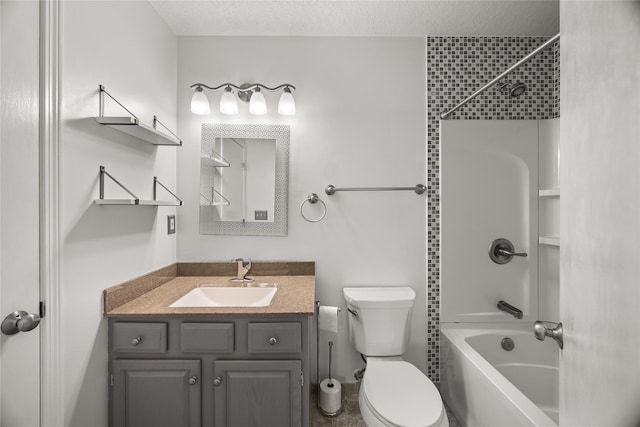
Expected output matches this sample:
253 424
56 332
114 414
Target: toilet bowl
393 392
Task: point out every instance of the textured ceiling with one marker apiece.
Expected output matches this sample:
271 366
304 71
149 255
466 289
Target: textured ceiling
360 17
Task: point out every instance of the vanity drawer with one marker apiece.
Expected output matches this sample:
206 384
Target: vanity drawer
206 337
131 337
274 337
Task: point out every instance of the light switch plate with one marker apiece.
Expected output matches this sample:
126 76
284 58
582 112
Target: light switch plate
261 215
171 224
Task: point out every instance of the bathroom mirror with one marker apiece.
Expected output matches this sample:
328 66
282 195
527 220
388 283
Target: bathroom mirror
244 173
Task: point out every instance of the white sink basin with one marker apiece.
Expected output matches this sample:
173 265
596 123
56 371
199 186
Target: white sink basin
219 296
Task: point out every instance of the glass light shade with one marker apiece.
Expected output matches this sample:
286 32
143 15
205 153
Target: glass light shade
199 102
228 102
257 105
287 105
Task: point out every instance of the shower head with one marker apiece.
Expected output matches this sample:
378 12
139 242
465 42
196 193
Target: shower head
517 89
513 89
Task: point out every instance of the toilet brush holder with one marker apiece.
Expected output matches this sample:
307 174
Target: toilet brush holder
330 392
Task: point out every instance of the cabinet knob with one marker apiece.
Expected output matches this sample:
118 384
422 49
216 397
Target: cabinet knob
273 341
136 341
217 381
193 380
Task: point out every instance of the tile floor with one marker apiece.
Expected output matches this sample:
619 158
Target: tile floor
350 416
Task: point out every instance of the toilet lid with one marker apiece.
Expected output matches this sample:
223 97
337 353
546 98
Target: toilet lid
402 395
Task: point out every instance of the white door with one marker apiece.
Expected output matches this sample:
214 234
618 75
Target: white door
19 205
600 213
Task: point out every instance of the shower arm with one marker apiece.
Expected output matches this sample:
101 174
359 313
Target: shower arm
524 60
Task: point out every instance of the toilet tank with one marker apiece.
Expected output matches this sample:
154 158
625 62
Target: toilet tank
379 319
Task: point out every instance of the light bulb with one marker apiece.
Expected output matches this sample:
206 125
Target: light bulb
287 105
199 102
257 105
228 102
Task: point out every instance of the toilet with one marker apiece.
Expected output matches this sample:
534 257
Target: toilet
393 392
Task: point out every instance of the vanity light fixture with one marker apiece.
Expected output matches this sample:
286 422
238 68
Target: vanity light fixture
228 102
287 105
257 103
199 102
251 93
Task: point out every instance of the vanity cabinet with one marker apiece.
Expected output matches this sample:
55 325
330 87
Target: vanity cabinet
156 393
213 371
258 393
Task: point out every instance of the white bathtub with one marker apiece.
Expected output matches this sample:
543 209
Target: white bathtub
485 385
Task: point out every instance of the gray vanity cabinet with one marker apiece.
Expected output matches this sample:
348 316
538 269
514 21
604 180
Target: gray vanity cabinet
258 393
156 393
209 371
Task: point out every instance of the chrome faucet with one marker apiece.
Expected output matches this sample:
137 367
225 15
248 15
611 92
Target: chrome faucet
243 269
541 331
508 308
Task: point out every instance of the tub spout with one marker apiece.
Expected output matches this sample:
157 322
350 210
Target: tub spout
541 331
508 308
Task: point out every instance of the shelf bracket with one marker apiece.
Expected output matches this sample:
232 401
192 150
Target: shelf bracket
212 202
155 121
103 91
104 172
155 186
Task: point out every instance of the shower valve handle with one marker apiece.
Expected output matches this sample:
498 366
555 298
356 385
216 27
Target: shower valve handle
502 251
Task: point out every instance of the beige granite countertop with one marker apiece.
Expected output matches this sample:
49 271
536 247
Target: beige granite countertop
295 295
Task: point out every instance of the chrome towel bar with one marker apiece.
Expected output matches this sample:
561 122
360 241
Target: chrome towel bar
419 189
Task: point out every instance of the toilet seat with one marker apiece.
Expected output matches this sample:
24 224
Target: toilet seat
401 395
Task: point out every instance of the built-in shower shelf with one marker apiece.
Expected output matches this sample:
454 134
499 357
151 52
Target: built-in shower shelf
548 240
552 192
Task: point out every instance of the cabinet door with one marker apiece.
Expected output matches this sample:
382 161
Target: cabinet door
156 393
258 393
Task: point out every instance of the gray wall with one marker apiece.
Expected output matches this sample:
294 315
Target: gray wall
360 121
599 222
129 49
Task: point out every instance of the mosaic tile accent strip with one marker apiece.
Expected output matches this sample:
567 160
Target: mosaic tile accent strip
457 67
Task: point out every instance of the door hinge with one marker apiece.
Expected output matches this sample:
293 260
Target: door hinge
43 309
301 379
111 380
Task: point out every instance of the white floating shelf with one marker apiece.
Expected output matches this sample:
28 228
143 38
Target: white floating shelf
132 126
552 192
551 241
217 162
134 202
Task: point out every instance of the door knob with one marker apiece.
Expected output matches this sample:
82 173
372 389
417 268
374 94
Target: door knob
19 321
543 329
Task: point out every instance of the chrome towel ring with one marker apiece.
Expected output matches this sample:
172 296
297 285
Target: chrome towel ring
313 199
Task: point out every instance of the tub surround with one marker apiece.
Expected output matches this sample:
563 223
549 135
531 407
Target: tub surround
151 295
455 64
